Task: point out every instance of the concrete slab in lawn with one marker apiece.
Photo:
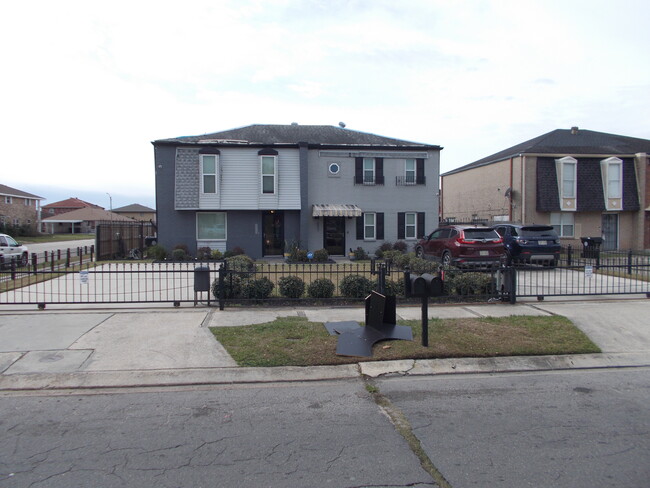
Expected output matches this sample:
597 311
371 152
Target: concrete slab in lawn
153 340
42 332
236 317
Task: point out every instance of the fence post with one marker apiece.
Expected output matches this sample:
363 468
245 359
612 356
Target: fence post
629 261
569 256
67 258
13 268
222 285
34 262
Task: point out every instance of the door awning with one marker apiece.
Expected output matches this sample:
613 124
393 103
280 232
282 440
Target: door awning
333 210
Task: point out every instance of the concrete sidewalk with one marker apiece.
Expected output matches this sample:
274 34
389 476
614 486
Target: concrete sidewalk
96 348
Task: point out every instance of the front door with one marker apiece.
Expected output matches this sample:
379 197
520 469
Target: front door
272 233
334 235
610 232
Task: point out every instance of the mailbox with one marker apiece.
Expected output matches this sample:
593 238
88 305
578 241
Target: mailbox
424 285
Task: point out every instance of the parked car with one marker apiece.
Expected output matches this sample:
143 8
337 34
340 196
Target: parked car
530 243
10 249
462 245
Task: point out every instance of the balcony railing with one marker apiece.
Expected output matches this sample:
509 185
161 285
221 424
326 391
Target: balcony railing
410 180
376 181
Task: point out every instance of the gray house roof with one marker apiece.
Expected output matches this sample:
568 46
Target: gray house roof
134 207
319 135
567 142
13 192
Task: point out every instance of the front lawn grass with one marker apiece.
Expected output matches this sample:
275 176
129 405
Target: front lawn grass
294 341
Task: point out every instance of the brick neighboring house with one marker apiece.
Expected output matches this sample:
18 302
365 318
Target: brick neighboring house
68 205
80 221
19 210
584 183
138 212
261 187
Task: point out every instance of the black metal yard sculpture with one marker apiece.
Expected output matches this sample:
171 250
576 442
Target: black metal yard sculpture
355 340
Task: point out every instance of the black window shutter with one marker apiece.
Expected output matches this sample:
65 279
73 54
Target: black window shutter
401 221
360 228
358 171
420 227
380 226
379 167
419 171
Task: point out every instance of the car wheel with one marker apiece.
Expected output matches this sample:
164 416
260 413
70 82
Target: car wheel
24 259
445 260
419 252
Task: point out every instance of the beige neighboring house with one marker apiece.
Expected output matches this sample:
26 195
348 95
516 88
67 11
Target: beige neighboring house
583 183
137 212
19 209
80 221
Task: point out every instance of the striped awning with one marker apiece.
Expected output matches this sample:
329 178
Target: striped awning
333 210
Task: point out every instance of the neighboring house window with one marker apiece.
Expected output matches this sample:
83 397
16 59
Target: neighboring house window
568 177
409 171
268 174
369 226
368 171
410 226
50 211
8 200
563 223
211 225
209 173
27 202
613 177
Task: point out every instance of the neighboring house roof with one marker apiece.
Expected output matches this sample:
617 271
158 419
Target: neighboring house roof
567 142
134 207
88 214
260 134
13 192
71 203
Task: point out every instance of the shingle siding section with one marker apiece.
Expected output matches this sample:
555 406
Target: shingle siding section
590 196
630 186
548 198
187 185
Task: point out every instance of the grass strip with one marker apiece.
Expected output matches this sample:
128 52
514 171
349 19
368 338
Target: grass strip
294 341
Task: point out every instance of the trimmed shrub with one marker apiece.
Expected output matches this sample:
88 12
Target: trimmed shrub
156 252
291 286
232 287
470 283
400 246
179 255
260 288
321 288
298 256
360 254
392 288
183 247
217 255
356 286
321 256
203 253
235 251
241 263
386 246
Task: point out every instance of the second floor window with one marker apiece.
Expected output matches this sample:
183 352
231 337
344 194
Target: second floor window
614 172
209 173
568 177
368 170
409 171
268 174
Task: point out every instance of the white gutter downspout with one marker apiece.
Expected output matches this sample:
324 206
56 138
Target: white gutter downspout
523 188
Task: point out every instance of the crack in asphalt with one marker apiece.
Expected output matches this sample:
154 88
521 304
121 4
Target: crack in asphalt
403 427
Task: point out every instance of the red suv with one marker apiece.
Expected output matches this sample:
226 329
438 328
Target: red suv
462 245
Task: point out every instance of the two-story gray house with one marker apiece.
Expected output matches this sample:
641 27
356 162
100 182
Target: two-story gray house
262 186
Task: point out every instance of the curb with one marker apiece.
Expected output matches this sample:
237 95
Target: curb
373 369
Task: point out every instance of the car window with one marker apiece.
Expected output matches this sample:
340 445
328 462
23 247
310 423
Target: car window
501 230
538 232
481 233
3 241
11 241
513 232
440 234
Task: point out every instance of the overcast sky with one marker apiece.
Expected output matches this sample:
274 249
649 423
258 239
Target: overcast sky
86 86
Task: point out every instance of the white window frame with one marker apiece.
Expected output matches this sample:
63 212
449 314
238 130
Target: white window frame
564 182
610 183
8 200
269 175
372 170
201 235
214 175
410 226
370 224
407 178
562 222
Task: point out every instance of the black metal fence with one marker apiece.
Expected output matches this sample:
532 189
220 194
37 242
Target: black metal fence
75 280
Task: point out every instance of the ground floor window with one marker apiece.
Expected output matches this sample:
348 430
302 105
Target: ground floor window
211 225
369 226
563 223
